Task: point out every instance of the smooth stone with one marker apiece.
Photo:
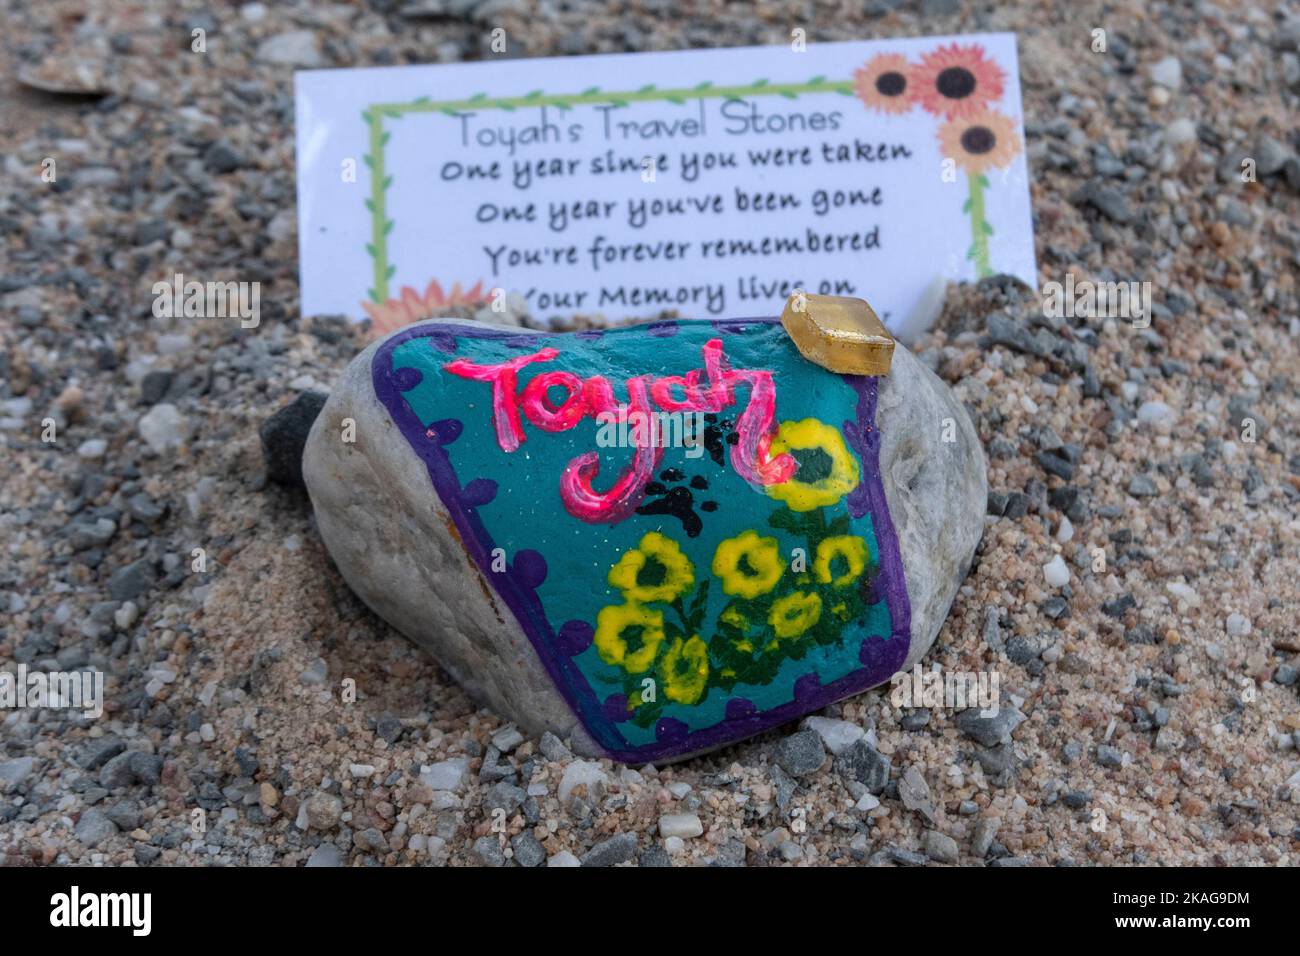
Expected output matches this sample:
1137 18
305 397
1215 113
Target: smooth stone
397 545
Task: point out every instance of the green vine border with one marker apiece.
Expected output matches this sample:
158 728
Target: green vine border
380 181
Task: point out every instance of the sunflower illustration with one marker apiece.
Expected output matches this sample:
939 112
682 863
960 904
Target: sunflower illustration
794 613
982 141
748 565
656 570
684 670
884 83
851 550
827 469
411 306
628 636
956 81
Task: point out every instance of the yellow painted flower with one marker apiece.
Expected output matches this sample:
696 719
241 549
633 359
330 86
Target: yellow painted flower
827 469
628 636
655 571
685 670
734 618
795 613
748 565
854 552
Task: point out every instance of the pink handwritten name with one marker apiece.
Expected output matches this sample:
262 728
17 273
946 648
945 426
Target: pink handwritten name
710 389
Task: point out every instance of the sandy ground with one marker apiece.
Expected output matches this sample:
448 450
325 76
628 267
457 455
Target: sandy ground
1160 692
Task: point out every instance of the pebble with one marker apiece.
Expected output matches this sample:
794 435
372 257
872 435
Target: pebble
92 449
94 827
1056 573
800 754
611 852
836 735
1109 756
1168 73
865 765
327 854
527 851
489 852
989 731
1237 625
680 825
163 428
982 836
939 846
323 810
1154 413
13 772
284 435
581 773
446 774
296 48
563 859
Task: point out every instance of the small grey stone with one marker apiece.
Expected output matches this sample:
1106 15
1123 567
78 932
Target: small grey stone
801 753
1142 486
327 854
146 768
915 793
1054 464
323 810
146 854
866 765
1109 756
129 582
143 508
388 728
14 772
100 751
615 850
116 772
939 846
296 48
527 851
1077 799
222 157
125 814
94 827
1285 675
918 719
905 857
989 731
1270 156
656 857
372 839
986 828
504 796
1072 751
553 749
489 852
1107 200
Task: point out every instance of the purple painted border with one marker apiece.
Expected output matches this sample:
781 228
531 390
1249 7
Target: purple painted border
880 657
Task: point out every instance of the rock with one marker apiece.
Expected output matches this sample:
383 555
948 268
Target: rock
1237 625
564 859
611 852
1154 413
13 772
323 810
327 854
94 827
992 730
581 773
130 581
163 428
296 48
1270 156
488 850
680 825
446 774
837 735
527 851
284 435
553 749
801 754
1109 756
985 830
939 846
1168 73
915 793
427 517
865 765
220 157
1055 573
1109 201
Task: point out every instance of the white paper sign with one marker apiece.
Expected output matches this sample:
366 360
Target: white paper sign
711 182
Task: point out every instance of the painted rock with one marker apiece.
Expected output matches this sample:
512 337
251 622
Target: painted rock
653 540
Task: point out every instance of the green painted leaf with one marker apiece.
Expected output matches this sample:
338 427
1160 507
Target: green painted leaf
388 181
533 95
988 230
370 206
374 296
422 99
647 88
370 249
477 97
789 94
618 102
676 99
388 227
389 273
506 106
816 79
704 86
368 161
984 181
590 91
383 140
965 207
759 83
365 115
